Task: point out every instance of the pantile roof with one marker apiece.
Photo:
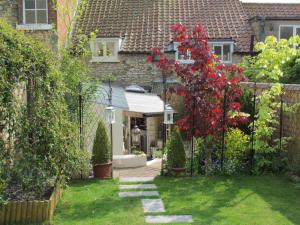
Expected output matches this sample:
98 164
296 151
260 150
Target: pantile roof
146 23
272 10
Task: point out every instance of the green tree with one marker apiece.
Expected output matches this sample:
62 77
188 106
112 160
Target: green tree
175 150
269 66
102 147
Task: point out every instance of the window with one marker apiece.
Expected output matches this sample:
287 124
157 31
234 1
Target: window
287 31
35 11
183 57
105 49
223 51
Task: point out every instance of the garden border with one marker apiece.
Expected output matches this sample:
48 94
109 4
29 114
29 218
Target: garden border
30 211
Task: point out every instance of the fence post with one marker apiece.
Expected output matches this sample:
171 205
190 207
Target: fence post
253 128
281 122
193 131
80 117
223 127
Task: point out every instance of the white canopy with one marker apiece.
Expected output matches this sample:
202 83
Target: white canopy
144 103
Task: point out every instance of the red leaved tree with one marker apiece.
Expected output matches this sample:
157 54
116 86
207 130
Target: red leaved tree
203 84
207 85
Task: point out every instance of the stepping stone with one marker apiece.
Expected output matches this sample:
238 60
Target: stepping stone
138 194
169 219
136 179
153 205
138 186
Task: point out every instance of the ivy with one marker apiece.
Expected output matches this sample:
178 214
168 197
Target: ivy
39 136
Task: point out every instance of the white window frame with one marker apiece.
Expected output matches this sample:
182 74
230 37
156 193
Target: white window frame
35 10
221 44
34 26
214 43
114 58
181 61
294 30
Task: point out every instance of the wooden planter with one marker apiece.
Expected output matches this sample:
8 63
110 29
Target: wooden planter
24 212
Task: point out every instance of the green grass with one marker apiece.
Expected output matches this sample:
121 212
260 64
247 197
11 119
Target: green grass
264 200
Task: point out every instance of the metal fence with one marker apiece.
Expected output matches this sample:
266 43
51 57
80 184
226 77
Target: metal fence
288 126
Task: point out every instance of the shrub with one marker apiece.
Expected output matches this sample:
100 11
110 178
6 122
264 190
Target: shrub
236 144
175 150
235 151
101 147
41 139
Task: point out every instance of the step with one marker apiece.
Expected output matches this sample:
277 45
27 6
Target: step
138 186
153 205
169 219
138 194
136 179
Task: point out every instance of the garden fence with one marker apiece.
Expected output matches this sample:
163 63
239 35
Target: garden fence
288 124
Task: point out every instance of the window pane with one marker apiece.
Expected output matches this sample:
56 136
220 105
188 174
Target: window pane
226 53
185 55
41 4
110 49
298 31
41 16
218 50
286 32
99 48
29 4
29 16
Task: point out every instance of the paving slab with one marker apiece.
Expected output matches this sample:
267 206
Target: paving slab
138 194
136 179
138 186
169 219
153 205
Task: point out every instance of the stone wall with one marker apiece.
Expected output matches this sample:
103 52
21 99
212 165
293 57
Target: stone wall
133 69
9 11
271 27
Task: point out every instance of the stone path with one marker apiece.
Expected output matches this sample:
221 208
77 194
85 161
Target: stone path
138 186
169 219
150 205
136 179
138 194
153 205
151 170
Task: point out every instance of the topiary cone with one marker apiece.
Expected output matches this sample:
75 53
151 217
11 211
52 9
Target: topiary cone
101 157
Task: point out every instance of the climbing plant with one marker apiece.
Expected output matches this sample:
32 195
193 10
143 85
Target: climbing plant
39 140
270 65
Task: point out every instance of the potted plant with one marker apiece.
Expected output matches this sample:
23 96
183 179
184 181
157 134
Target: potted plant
175 152
101 158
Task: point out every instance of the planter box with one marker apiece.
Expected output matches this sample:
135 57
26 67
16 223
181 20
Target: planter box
25 212
129 161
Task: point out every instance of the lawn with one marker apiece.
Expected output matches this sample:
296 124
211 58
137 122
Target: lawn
263 200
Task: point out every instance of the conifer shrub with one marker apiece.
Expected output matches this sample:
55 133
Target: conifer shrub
175 150
102 146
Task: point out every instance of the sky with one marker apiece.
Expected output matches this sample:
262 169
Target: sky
273 1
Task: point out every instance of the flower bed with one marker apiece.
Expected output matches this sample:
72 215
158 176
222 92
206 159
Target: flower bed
30 211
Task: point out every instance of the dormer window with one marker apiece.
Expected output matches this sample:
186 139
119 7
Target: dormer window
223 50
105 49
183 57
35 11
288 31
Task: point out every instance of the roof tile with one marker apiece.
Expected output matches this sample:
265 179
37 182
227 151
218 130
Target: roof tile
146 23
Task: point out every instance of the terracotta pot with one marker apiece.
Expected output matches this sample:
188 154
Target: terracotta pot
103 171
178 170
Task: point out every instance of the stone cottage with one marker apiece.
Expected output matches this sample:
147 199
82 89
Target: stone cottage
42 19
127 30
